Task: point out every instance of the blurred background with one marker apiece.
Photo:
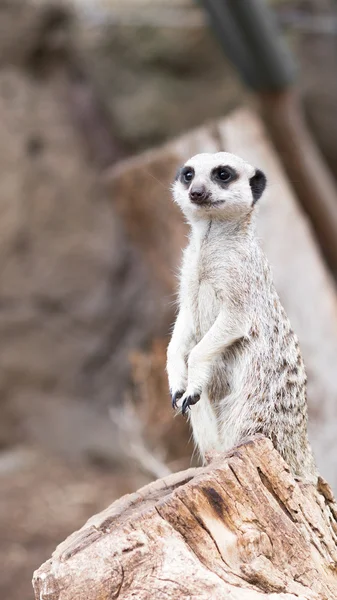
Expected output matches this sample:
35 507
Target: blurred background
90 242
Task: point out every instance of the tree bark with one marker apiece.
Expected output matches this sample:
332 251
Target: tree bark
240 527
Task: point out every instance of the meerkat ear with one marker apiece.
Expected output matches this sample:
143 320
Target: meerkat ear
257 185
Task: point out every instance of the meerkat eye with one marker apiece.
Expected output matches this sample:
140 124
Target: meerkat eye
187 174
224 174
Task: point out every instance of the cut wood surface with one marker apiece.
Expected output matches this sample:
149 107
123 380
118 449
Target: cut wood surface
239 528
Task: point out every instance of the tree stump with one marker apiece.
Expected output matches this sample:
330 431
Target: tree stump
240 528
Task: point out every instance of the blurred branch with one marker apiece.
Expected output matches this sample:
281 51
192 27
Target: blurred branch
250 39
248 33
304 164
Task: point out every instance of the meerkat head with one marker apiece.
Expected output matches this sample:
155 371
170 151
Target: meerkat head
217 185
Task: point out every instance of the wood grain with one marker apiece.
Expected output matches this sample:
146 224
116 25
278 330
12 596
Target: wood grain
239 528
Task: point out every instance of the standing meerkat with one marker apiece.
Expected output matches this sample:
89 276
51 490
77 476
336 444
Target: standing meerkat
234 364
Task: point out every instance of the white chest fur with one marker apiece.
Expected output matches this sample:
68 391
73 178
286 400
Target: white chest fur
204 276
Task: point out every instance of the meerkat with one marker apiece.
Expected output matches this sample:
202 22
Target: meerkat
234 363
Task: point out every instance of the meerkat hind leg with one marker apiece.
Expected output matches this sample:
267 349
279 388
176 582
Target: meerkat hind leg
204 426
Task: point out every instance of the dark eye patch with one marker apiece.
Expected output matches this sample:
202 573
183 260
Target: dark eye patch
186 175
223 175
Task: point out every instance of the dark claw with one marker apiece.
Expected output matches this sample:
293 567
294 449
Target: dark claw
176 397
188 402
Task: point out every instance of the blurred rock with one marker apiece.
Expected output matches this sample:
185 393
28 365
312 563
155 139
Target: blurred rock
162 72
157 79
63 256
31 32
75 298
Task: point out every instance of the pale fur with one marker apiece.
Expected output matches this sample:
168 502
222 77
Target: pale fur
232 341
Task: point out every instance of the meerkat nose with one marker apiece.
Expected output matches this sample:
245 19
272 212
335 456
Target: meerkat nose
198 194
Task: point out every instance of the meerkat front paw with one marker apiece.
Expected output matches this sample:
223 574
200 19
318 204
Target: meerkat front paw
183 401
188 401
175 397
